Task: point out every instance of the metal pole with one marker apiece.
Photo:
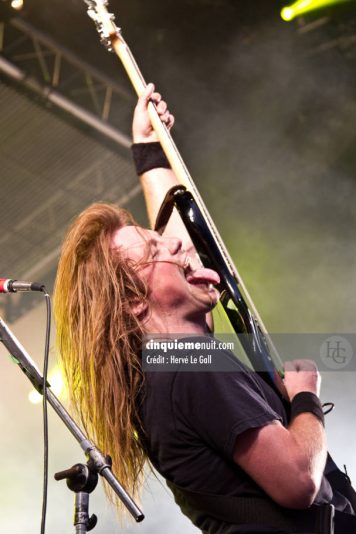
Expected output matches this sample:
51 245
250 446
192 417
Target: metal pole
28 366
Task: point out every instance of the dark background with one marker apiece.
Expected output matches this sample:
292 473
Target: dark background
265 120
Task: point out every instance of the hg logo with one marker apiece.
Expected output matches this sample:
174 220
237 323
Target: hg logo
336 352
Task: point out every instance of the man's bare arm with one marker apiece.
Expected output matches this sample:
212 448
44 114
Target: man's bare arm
156 182
288 463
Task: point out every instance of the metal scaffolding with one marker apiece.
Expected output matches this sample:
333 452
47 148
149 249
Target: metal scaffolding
50 70
51 169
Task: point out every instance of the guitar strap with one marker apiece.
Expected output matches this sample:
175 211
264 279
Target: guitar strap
225 514
340 481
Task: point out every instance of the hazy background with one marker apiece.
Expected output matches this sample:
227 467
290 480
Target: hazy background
265 120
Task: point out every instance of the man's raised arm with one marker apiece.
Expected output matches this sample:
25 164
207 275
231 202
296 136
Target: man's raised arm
158 180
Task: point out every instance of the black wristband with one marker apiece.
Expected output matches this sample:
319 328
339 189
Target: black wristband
149 156
305 401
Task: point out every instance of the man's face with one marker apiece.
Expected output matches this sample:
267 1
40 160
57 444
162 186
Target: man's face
175 288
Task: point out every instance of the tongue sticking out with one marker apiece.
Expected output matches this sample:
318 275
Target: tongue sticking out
203 276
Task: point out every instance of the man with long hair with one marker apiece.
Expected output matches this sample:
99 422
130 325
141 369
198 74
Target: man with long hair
225 435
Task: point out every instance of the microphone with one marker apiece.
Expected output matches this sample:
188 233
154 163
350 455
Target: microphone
13 286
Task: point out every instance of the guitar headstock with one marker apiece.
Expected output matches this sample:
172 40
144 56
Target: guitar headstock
104 21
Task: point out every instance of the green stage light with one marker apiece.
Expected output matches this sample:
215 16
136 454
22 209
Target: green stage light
300 7
287 14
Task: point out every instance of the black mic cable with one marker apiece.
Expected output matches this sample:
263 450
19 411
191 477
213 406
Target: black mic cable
45 413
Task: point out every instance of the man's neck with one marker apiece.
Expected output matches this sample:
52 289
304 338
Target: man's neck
169 324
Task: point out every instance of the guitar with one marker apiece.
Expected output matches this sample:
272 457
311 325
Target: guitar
236 300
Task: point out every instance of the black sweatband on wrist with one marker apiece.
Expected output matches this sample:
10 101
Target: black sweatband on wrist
149 156
306 401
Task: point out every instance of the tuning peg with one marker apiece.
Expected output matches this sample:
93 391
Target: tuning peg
105 41
92 14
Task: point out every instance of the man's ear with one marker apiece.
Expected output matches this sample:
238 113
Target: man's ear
138 307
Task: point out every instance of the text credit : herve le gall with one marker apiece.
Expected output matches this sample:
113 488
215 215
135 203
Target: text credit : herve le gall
172 359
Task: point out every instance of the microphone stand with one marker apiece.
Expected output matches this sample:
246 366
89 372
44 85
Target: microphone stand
97 462
82 479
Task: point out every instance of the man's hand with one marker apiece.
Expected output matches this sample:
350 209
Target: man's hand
142 131
301 375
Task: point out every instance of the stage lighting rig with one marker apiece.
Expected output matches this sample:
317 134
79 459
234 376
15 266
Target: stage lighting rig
17 4
301 7
9 9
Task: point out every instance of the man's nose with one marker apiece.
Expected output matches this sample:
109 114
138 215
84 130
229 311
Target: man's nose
174 244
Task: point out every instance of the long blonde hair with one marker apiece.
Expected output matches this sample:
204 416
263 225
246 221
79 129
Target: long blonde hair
99 336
